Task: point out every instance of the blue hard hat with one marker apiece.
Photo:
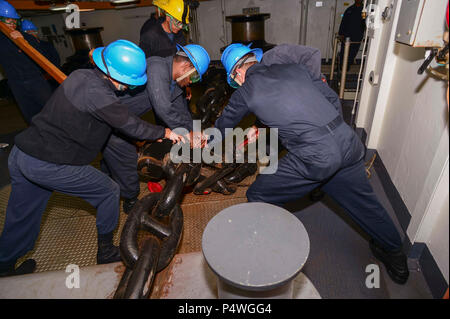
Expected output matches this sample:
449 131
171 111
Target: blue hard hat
233 53
123 61
7 10
27 25
198 56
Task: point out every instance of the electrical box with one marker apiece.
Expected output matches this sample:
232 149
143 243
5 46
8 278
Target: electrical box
421 23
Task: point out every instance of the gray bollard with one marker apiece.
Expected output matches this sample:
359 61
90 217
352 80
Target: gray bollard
256 250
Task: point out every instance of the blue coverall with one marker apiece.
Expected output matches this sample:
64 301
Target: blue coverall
170 107
322 149
55 152
49 51
25 78
119 155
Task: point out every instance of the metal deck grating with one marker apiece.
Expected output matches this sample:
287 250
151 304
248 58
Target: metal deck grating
68 233
196 217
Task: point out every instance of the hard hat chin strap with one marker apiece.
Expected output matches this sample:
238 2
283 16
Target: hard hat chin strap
170 24
185 11
104 63
193 4
236 80
120 87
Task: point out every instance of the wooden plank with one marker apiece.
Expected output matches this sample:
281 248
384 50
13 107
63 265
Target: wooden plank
37 57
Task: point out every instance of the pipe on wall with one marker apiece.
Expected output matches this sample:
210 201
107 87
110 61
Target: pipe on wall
332 29
304 4
194 30
224 23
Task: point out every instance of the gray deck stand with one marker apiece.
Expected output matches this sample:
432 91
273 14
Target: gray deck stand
256 250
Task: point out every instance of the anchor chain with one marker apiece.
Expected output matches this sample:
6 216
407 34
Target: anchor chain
161 216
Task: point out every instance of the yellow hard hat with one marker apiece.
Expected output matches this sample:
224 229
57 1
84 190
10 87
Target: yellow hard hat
173 7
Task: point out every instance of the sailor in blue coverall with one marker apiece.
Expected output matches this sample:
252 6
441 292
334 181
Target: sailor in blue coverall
55 152
166 96
25 77
158 38
285 91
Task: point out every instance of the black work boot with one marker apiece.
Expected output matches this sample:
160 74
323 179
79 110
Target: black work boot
107 252
243 171
27 267
394 261
128 204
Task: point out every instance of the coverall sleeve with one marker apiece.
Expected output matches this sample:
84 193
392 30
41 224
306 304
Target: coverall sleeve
181 113
308 57
329 94
145 40
233 113
145 45
117 116
174 114
33 42
137 102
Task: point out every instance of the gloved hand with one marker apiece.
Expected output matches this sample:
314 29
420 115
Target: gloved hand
252 134
198 139
174 137
16 35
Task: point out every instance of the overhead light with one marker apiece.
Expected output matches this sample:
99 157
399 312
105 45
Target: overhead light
126 6
64 7
59 7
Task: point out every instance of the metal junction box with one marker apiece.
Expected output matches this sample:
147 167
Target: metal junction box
422 23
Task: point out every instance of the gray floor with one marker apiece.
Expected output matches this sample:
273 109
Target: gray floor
340 254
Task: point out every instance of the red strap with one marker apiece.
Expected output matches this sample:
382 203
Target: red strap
245 142
154 187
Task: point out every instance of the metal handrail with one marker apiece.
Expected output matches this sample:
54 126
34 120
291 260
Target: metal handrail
344 68
338 39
